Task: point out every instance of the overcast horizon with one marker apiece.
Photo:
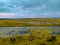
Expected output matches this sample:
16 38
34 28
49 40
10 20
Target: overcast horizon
29 8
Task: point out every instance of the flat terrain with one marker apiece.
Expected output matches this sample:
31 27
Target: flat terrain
30 36
30 22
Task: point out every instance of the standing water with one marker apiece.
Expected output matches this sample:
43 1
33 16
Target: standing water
9 31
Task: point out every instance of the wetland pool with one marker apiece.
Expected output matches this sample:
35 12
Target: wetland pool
7 31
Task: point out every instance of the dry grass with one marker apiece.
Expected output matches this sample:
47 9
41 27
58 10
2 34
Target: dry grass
31 22
35 37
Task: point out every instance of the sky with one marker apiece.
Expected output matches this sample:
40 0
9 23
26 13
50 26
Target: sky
29 8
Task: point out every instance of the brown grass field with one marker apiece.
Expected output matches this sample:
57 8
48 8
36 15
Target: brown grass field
30 22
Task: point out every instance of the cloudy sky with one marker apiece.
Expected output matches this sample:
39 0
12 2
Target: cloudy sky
29 8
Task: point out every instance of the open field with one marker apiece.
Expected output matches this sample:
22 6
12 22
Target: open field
30 22
32 36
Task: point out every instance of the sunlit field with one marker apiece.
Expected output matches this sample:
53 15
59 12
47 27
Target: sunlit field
34 35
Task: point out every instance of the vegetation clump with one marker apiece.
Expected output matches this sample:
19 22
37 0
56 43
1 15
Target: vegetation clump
51 39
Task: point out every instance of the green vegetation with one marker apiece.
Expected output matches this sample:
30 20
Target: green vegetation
35 37
30 22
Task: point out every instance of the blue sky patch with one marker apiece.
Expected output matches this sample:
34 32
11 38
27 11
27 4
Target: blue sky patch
29 8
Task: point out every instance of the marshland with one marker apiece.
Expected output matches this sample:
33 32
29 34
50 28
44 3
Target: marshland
30 31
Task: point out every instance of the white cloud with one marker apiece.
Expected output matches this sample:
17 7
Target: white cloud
31 16
47 14
4 0
53 1
6 15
